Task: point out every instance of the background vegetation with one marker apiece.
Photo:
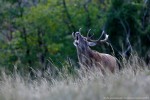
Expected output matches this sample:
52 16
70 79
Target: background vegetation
34 33
35 36
130 83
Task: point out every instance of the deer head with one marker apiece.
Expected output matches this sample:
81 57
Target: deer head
84 43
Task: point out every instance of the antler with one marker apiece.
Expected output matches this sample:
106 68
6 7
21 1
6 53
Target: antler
99 39
73 35
80 30
88 35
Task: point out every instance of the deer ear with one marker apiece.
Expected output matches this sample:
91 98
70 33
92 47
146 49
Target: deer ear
91 44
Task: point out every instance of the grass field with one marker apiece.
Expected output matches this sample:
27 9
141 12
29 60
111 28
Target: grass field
132 82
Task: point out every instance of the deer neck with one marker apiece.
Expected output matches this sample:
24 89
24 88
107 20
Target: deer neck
84 53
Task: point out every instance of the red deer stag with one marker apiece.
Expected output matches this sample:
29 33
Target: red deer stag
90 58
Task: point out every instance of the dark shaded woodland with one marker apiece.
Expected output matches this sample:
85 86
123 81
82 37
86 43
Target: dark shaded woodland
34 33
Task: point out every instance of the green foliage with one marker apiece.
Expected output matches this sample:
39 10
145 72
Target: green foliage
32 32
126 18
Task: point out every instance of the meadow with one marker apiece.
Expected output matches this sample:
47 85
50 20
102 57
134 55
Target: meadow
36 42
132 82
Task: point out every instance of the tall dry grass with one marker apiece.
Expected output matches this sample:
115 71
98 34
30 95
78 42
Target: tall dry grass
132 82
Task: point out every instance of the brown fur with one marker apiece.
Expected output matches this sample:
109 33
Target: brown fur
100 60
91 58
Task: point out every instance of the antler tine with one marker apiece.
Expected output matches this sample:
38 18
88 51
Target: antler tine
106 38
88 32
101 35
80 30
88 36
92 35
99 39
73 35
